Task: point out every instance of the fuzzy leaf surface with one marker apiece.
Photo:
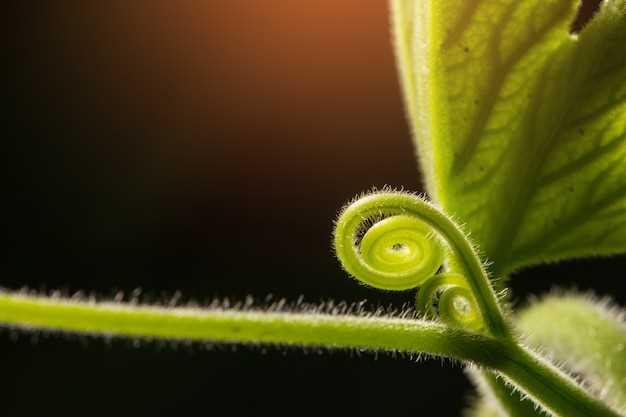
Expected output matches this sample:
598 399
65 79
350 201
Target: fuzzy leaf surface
520 126
587 336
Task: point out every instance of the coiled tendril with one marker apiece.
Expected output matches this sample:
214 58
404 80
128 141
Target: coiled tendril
395 241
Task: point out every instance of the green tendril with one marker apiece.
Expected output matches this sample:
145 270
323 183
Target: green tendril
397 253
449 297
397 241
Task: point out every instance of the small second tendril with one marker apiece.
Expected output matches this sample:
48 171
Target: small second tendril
390 247
446 295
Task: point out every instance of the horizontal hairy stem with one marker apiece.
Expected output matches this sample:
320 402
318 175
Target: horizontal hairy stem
299 329
540 380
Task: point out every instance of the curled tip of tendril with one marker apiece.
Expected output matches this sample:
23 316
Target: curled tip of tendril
386 249
388 240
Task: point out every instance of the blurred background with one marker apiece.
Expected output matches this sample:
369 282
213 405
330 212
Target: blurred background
206 147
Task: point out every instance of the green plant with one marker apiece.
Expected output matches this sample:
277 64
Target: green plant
521 131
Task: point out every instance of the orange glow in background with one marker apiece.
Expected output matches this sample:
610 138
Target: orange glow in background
206 146
237 98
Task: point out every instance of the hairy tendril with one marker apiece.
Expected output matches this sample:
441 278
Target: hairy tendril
398 241
389 240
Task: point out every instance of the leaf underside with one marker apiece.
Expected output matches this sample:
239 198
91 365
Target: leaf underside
520 126
586 336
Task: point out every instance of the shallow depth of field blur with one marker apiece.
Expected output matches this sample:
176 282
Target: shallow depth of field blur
205 147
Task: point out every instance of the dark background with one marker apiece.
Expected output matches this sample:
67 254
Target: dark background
206 146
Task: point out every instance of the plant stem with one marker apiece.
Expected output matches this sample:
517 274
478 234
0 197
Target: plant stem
299 329
507 398
543 382
548 386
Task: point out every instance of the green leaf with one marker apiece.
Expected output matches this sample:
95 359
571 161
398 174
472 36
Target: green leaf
520 126
587 336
